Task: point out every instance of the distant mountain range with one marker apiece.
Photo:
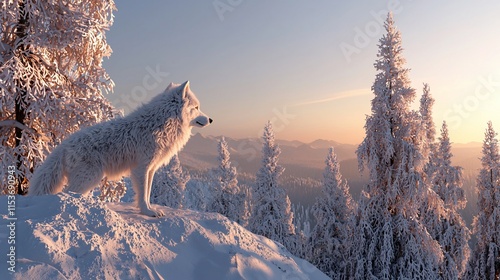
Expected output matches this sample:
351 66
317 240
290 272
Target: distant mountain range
300 159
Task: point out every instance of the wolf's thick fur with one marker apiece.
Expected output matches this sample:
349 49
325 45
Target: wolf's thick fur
137 144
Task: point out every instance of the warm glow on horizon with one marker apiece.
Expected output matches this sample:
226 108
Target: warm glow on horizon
338 118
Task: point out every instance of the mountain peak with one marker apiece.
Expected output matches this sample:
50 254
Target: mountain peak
323 144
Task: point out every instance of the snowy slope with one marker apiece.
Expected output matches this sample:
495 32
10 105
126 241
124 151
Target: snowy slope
67 236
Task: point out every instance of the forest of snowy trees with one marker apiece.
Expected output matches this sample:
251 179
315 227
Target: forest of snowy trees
405 225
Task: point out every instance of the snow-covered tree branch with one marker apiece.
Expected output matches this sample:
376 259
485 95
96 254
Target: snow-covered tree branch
52 76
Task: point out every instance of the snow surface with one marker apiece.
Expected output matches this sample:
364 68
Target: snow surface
70 236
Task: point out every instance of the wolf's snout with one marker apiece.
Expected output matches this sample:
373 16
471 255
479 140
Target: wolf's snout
202 121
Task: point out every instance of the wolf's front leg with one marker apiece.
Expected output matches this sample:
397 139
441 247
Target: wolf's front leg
142 188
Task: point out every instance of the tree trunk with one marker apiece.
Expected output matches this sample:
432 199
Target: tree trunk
20 116
21 92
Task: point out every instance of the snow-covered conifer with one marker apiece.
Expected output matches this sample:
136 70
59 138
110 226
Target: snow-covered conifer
197 195
52 77
390 242
328 246
429 145
169 184
226 191
298 245
245 198
440 210
301 219
485 260
272 216
447 180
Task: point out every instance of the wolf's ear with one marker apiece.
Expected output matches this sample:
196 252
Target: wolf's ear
170 86
185 89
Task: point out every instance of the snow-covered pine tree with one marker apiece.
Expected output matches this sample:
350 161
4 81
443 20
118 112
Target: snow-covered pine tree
447 180
245 198
429 145
328 246
432 208
440 210
272 216
485 260
301 219
197 195
390 242
227 198
301 222
52 77
169 184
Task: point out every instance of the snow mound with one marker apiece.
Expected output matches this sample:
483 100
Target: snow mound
69 236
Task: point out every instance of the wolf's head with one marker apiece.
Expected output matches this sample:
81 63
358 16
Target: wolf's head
190 111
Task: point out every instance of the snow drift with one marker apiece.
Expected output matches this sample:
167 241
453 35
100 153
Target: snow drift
69 236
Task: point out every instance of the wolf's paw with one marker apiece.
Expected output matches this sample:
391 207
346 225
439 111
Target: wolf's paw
152 212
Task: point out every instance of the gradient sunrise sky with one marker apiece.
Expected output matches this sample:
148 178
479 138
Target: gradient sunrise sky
306 65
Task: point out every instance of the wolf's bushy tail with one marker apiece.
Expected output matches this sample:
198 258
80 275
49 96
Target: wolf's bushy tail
48 178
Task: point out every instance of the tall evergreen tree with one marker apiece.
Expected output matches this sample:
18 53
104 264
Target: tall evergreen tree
169 184
328 246
52 76
447 180
485 261
429 145
228 200
390 241
440 210
272 216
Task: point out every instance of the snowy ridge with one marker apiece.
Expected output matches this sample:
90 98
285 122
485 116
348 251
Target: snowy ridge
68 236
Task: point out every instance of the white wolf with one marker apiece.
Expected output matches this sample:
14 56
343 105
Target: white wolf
137 144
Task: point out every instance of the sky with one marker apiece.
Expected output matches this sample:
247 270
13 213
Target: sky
306 65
